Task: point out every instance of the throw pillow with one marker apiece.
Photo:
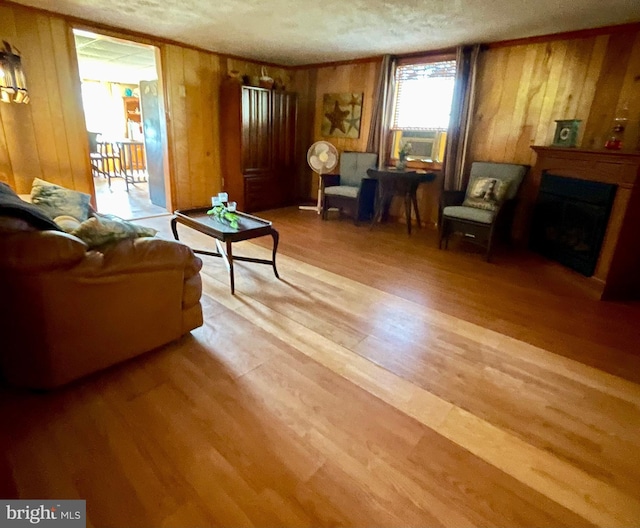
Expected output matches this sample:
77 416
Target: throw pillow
102 229
55 200
66 223
486 193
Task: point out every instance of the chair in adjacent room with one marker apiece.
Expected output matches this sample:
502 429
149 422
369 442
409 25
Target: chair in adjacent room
97 165
112 161
351 191
486 208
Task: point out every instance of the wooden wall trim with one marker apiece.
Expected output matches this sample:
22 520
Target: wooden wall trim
427 56
377 58
566 35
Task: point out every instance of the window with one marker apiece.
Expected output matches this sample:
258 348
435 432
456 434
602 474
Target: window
424 93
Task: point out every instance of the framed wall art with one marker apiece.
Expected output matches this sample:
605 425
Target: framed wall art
341 115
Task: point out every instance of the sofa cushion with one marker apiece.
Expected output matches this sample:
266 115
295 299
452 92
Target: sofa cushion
105 229
55 200
18 215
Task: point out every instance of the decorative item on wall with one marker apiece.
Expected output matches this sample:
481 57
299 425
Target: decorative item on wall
616 138
341 115
13 87
566 132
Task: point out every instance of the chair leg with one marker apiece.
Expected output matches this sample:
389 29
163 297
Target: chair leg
407 212
443 233
490 243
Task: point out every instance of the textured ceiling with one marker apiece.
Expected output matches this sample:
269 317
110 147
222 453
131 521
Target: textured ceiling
293 32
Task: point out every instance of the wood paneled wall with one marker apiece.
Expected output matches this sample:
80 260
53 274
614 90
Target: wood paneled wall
47 137
360 77
192 88
304 83
523 89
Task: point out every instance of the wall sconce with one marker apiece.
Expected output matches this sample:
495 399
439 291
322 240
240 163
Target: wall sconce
13 87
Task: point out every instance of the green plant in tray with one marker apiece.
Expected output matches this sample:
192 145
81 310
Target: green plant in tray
221 213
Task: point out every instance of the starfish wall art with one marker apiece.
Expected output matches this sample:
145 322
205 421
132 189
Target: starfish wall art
341 115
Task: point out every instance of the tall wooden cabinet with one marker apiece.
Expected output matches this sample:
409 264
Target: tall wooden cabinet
258 134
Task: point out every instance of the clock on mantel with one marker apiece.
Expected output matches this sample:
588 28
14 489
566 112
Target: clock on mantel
566 132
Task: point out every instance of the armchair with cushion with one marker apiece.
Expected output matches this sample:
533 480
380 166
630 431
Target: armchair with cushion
351 190
70 310
485 208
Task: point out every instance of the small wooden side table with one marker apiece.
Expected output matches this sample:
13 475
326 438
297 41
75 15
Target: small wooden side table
249 227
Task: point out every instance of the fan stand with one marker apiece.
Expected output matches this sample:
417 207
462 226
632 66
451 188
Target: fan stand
318 207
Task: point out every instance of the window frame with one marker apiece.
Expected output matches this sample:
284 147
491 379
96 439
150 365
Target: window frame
394 136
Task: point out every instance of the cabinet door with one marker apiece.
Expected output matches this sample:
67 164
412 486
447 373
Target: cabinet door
256 127
284 143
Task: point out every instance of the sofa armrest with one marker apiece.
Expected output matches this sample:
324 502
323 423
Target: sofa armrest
140 255
40 250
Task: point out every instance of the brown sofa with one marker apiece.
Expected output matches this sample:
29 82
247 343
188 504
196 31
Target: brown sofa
69 311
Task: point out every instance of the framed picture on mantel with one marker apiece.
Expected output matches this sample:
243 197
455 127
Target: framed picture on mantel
566 133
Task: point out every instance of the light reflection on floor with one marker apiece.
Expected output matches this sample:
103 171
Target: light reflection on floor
127 205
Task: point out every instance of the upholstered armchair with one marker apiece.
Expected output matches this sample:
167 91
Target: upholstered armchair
351 191
486 207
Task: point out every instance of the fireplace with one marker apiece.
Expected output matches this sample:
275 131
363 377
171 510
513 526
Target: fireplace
570 219
582 207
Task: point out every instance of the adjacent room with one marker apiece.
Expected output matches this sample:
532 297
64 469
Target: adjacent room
118 79
370 265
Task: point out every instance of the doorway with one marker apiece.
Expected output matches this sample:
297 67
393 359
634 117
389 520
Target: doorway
125 124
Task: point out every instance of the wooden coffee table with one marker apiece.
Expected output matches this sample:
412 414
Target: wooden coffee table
248 227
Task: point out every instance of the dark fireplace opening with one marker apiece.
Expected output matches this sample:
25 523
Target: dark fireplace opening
570 219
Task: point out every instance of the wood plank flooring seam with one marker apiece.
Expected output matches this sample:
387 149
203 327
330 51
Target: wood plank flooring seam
604 505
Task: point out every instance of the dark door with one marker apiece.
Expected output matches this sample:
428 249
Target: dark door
153 126
256 130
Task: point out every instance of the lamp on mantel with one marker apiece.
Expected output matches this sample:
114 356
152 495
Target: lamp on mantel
13 87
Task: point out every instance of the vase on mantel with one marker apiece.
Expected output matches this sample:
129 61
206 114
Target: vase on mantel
401 164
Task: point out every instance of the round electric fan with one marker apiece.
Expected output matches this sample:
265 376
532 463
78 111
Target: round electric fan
322 157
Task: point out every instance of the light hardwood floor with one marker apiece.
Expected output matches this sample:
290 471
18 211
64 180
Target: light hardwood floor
128 205
380 382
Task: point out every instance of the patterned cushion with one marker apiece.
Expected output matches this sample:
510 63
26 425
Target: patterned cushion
55 200
486 193
105 229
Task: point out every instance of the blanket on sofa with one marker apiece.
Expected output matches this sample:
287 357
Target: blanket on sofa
11 205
